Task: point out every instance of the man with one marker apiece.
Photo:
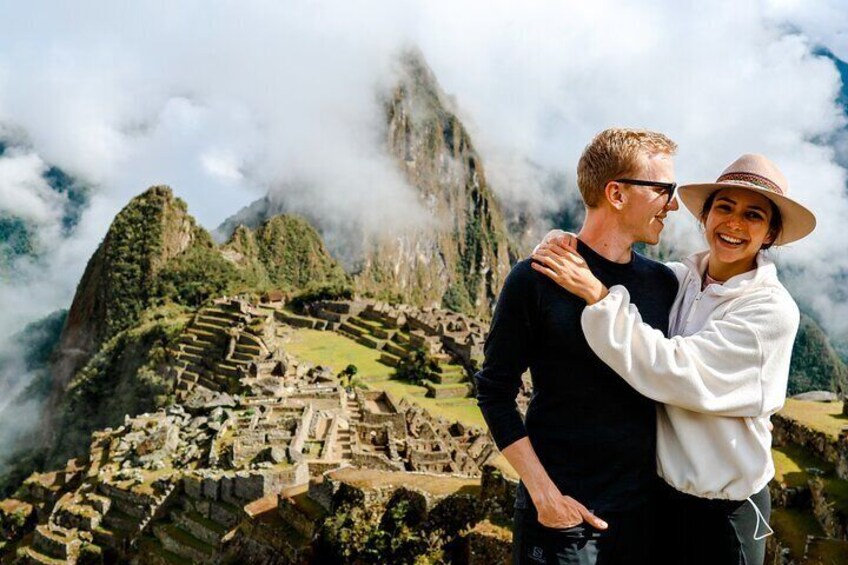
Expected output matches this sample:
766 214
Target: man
586 449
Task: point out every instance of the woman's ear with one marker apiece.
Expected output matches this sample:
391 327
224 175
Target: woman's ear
615 194
770 238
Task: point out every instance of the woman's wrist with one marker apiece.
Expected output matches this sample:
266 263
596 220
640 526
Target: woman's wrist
595 293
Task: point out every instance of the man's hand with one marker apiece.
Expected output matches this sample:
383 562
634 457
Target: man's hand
554 509
565 512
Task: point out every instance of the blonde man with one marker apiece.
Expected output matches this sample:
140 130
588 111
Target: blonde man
586 452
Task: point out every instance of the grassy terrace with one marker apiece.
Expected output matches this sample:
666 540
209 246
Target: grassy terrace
337 352
823 416
791 463
434 485
792 526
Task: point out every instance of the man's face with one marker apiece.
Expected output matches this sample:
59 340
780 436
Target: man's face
645 207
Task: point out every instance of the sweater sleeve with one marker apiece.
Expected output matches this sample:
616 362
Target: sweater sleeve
679 269
506 358
735 366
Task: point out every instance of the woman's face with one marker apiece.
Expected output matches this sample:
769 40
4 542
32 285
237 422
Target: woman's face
737 225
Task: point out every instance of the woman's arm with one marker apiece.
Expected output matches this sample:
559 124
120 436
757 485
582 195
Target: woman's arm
559 260
720 370
734 366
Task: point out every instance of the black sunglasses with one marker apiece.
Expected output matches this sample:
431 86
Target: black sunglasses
670 188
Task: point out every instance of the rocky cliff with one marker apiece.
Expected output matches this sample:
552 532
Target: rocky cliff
462 261
285 252
120 279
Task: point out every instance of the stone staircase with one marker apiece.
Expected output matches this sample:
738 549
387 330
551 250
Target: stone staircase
129 516
344 441
302 514
68 535
203 356
52 544
195 533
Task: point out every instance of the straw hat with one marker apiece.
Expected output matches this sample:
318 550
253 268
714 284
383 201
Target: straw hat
755 172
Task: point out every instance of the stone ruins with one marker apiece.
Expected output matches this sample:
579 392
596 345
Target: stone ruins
250 422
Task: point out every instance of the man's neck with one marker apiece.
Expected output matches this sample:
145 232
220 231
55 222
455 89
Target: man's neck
603 235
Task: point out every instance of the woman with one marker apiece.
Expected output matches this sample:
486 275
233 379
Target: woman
725 370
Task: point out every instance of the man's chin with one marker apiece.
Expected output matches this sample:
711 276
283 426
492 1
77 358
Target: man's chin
650 240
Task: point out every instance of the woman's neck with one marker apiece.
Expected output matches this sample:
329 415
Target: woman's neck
725 271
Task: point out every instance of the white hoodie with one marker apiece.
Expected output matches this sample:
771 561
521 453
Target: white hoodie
719 379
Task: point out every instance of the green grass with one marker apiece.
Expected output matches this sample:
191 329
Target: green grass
827 552
337 352
791 462
792 526
836 491
821 416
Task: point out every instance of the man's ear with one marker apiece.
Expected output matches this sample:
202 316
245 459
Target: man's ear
614 193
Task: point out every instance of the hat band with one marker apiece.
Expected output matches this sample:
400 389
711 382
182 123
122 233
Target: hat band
750 179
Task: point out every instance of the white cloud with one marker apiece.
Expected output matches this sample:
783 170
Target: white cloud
225 100
24 192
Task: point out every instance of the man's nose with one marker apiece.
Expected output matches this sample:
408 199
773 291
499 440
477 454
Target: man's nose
673 205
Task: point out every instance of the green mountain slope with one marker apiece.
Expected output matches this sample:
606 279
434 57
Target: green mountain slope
815 363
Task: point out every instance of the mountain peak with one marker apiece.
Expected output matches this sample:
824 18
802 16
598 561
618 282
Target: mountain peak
116 287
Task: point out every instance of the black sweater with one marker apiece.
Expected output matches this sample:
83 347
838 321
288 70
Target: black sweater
595 436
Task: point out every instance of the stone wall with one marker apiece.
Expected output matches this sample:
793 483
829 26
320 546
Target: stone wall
832 519
791 432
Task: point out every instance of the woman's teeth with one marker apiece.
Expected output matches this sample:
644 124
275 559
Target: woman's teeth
730 240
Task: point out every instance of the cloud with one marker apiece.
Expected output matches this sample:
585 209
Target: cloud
225 101
24 192
825 22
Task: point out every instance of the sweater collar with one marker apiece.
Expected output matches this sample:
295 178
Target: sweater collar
765 272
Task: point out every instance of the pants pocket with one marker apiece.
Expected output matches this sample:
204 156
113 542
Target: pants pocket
537 544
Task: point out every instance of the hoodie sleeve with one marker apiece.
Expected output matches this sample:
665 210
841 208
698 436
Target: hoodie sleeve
735 366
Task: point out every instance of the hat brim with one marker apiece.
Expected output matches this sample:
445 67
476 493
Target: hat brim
798 221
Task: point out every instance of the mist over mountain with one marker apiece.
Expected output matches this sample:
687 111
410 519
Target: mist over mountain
460 255
38 202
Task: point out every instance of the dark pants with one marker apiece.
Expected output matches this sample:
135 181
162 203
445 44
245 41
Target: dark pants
695 531
627 540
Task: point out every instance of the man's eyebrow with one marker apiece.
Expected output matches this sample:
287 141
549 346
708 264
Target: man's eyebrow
729 199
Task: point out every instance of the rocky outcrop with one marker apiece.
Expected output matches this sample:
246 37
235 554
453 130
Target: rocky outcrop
119 279
284 252
461 258
463 261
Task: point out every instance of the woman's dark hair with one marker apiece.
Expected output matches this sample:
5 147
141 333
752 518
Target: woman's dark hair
775 225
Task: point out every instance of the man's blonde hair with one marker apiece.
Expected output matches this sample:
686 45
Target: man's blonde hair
615 153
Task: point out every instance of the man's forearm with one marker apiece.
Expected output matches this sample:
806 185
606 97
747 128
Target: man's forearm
524 460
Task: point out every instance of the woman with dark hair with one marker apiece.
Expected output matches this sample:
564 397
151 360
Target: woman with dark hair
722 374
